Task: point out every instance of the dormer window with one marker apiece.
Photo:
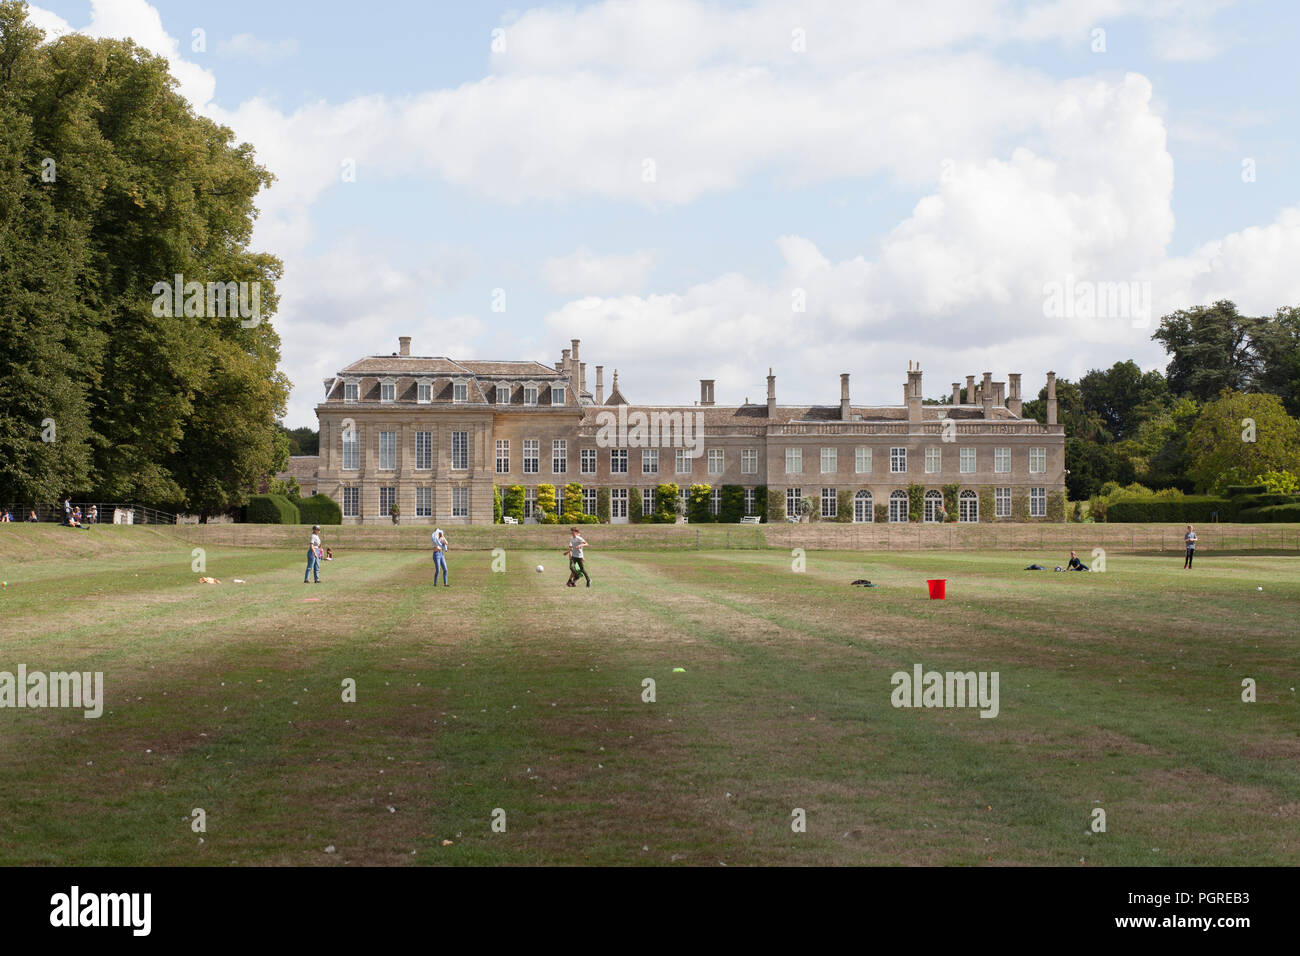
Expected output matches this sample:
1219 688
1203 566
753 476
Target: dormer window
530 394
460 392
388 391
424 393
351 391
503 394
557 394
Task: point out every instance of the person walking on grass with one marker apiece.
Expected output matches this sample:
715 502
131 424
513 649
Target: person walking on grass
313 555
439 557
1189 541
576 563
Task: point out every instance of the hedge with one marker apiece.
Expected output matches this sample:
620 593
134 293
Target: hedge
1289 512
319 509
1235 490
1190 508
272 509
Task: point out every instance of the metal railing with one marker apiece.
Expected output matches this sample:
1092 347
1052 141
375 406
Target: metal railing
138 514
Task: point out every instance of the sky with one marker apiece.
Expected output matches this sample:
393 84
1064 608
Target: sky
706 190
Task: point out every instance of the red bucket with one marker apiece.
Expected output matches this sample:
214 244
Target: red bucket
937 588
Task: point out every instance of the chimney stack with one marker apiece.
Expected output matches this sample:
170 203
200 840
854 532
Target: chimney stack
706 391
1051 398
404 343
845 406
986 394
956 393
600 385
914 393
574 343
1000 393
771 394
1013 400
582 377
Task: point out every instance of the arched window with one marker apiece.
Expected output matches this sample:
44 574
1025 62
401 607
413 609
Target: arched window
968 506
863 509
933 506
898 506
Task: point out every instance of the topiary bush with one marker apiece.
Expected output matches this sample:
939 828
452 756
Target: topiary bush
1233 490
602 505
844 506
760 502
1148 508
915 501
697 507
950 501
635 507
546 504
986 507
1272 513
512 504
881 513
319 509
732 508
571 506
496 504
666 504
272 509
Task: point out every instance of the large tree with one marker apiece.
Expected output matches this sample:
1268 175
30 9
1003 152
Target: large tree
1124 396
1210 350
1238 436
1276 345
180 406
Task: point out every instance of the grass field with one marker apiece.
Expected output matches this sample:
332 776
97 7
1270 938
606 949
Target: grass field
1119 690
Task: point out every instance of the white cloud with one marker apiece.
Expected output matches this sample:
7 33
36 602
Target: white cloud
249 47
585 273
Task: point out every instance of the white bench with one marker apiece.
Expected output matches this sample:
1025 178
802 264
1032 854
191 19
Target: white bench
751 519
509 520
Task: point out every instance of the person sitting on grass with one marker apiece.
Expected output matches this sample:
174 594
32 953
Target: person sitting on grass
1075 564
32 517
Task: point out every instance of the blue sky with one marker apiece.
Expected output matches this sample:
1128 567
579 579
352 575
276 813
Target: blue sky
920 171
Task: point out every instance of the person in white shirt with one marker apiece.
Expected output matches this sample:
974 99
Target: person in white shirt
1189 547
576 563
439 556
313 555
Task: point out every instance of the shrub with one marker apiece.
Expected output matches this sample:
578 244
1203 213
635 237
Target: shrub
666 504
1077 515
635 509
733 504
1019 506
915 501
950 500
882 513
512 504
1279 482
572 504
698 504
775 506
987 506
319 509
1055 506
760 502
808 508
844 507
1097 508
272 509
546 505
602 505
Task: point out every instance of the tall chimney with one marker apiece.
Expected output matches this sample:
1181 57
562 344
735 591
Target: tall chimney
1013 400
986 394
404 343
771 394
600 385
845 406
574 343
1051 398
970 389
582 376
956 393
914 394
1000 393
706 391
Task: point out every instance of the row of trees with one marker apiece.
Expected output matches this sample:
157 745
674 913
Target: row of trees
110 185
1224 411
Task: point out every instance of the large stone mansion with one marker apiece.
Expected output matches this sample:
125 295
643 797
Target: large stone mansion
433 436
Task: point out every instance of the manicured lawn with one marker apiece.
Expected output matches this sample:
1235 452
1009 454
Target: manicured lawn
1119 690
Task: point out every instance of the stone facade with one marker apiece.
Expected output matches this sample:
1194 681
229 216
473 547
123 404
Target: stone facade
433 436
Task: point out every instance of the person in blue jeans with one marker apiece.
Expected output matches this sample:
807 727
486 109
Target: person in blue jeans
313 555
439 557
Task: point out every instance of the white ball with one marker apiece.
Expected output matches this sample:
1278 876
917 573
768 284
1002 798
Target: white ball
540 569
